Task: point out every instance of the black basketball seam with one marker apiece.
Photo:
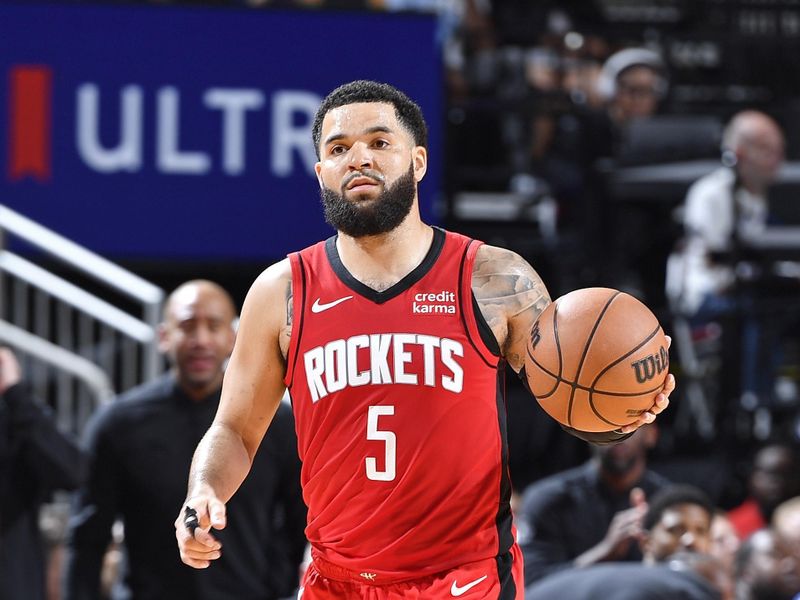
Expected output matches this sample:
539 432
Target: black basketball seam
616 362
586 388
558 341
559 378
560 365
585 352
541 368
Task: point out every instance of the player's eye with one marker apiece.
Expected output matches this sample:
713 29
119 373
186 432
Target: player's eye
337 149
380 144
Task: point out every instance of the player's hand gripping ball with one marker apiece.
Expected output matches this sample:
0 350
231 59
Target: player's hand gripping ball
596 359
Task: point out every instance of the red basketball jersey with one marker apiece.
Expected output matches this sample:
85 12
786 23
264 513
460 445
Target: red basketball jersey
400 415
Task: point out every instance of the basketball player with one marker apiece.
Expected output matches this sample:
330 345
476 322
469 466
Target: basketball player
391 337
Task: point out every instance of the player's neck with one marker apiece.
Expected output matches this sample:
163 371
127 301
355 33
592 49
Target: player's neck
380 261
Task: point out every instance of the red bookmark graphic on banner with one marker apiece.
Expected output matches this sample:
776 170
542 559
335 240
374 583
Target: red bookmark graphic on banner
30 124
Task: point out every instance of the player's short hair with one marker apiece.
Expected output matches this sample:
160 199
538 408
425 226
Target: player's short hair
675 495
408 112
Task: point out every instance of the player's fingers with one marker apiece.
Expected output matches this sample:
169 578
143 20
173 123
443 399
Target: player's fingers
193 524
216 510
205 539
198 562
662 402
197 551
669 385
645 418
183 533
191 518
669 340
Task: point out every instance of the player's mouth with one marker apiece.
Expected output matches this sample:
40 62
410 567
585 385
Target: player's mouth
361 184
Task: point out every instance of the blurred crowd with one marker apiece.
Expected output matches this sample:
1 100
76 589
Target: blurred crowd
546 107
614 523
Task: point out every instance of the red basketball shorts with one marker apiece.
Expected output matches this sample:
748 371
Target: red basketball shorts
497 578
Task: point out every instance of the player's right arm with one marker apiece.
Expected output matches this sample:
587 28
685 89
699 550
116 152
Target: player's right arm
251 393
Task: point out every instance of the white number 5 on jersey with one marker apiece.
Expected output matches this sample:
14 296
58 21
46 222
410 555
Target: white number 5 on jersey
388 437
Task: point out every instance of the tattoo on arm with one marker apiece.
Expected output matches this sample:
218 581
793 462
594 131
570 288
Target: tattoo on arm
285 336
511 296
289 304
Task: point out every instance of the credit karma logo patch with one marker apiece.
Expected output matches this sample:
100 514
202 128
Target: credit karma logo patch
434 303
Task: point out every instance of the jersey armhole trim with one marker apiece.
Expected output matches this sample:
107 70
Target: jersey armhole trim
486 333
469 305
298 303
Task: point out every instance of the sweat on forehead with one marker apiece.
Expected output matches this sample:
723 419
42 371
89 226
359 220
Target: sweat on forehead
408 113
362 118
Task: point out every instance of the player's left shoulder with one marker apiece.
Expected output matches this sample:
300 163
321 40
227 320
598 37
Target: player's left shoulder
502 268
487 252
489 259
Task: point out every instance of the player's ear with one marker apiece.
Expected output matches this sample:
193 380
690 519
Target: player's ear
419 157
318 170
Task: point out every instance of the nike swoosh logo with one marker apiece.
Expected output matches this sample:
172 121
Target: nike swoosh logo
459 591
318 308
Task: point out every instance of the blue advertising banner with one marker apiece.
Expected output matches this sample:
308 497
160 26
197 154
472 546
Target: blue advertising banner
148 132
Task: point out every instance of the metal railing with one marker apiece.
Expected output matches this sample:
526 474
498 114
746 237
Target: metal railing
86 326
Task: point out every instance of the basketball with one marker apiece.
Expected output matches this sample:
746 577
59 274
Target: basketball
596 359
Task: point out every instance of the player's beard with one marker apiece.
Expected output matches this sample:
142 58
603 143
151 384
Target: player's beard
381 215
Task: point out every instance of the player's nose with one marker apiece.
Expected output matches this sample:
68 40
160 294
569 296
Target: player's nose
360 156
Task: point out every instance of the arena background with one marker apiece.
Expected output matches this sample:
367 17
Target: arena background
173 139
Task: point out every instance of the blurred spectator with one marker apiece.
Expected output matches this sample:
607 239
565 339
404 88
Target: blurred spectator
767 568
589 514
141 446
576 160
722 210
632 82
724 541
35 460
774 478
786 522
464 29
707 566
676 560
685 576
677 520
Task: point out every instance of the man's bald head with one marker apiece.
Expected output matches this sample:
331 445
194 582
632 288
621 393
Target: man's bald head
186 292
197 335
757 143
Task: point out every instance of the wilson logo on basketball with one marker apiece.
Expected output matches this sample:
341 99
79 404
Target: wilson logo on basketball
650 366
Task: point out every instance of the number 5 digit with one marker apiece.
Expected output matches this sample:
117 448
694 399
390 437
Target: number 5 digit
388 437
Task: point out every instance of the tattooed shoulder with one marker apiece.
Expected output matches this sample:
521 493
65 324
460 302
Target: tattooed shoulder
510 294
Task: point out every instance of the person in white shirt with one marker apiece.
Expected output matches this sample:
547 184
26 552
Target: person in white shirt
722 208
